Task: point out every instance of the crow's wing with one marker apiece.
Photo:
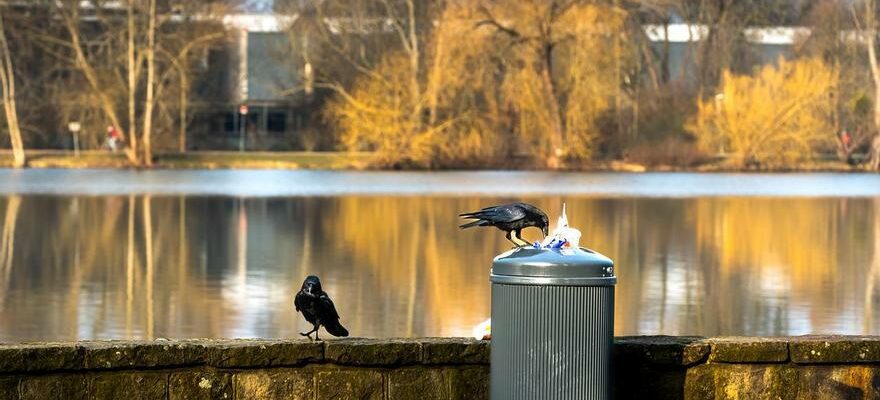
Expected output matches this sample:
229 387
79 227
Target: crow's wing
299 301
326 309
505 213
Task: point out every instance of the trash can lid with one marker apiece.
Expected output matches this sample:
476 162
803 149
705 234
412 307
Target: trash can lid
553 267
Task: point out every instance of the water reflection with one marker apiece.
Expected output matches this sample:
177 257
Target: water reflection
146 267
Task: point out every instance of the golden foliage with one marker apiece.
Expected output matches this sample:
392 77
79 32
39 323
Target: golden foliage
376 116
471 94
572 88
775 118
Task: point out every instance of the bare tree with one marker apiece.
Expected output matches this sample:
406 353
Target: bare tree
869 34
159 46
150 100
7 82
71 17
554 77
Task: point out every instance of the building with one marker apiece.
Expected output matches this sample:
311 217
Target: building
266 103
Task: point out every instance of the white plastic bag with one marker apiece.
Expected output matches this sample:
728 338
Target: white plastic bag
563 236
483 330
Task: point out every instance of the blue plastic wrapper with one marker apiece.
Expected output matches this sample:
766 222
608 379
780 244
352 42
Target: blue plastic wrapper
554 244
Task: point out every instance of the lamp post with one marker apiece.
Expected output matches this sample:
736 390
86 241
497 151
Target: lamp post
74 128
243 111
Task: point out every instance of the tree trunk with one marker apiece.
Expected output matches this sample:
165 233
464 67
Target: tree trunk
555 152
132 83
107 104
875 153
184 91
871 31
414 58
433 89
151 78
7 79
618 78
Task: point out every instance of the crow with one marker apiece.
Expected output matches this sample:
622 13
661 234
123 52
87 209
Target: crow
513 217
318 309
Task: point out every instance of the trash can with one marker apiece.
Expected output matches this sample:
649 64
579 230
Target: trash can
552 324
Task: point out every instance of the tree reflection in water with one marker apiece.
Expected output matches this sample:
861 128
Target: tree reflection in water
163 266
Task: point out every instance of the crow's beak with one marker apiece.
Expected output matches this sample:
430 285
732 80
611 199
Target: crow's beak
546 231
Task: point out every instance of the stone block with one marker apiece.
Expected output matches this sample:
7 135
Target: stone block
470 383
52 387
129 385
419 383
455 351
748 350
142 354
741 381
838 382
372 352
40 357
835 349
285 383
699 383
662 350
649 381
9 388
265 353
351 383
199 384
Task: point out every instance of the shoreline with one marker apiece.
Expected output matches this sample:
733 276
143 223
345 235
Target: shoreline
344 161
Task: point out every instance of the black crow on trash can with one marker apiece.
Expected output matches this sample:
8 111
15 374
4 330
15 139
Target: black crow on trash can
513 217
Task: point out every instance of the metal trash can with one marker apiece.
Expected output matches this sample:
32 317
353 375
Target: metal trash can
552 324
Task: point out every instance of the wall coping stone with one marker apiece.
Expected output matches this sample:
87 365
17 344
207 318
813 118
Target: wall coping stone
748 349
667 351
823 349
662 350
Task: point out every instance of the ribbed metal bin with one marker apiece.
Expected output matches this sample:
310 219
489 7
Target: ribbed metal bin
552 324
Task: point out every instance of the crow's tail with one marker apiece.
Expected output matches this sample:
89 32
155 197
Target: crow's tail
336 329
471 224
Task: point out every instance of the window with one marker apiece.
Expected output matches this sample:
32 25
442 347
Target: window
229 123
277 122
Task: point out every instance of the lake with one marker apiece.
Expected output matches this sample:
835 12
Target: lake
102 254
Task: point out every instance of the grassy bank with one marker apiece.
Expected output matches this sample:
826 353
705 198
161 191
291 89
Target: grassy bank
196 160
348 161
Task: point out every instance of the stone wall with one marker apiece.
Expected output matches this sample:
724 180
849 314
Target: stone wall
809 367
804 367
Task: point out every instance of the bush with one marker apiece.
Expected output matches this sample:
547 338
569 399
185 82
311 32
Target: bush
775 118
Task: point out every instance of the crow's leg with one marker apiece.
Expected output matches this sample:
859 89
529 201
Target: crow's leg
518 235
512 241
309 333
317 327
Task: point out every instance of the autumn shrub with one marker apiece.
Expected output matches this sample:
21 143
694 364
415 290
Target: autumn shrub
559 85
447 117
376 115
777 117
506 89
